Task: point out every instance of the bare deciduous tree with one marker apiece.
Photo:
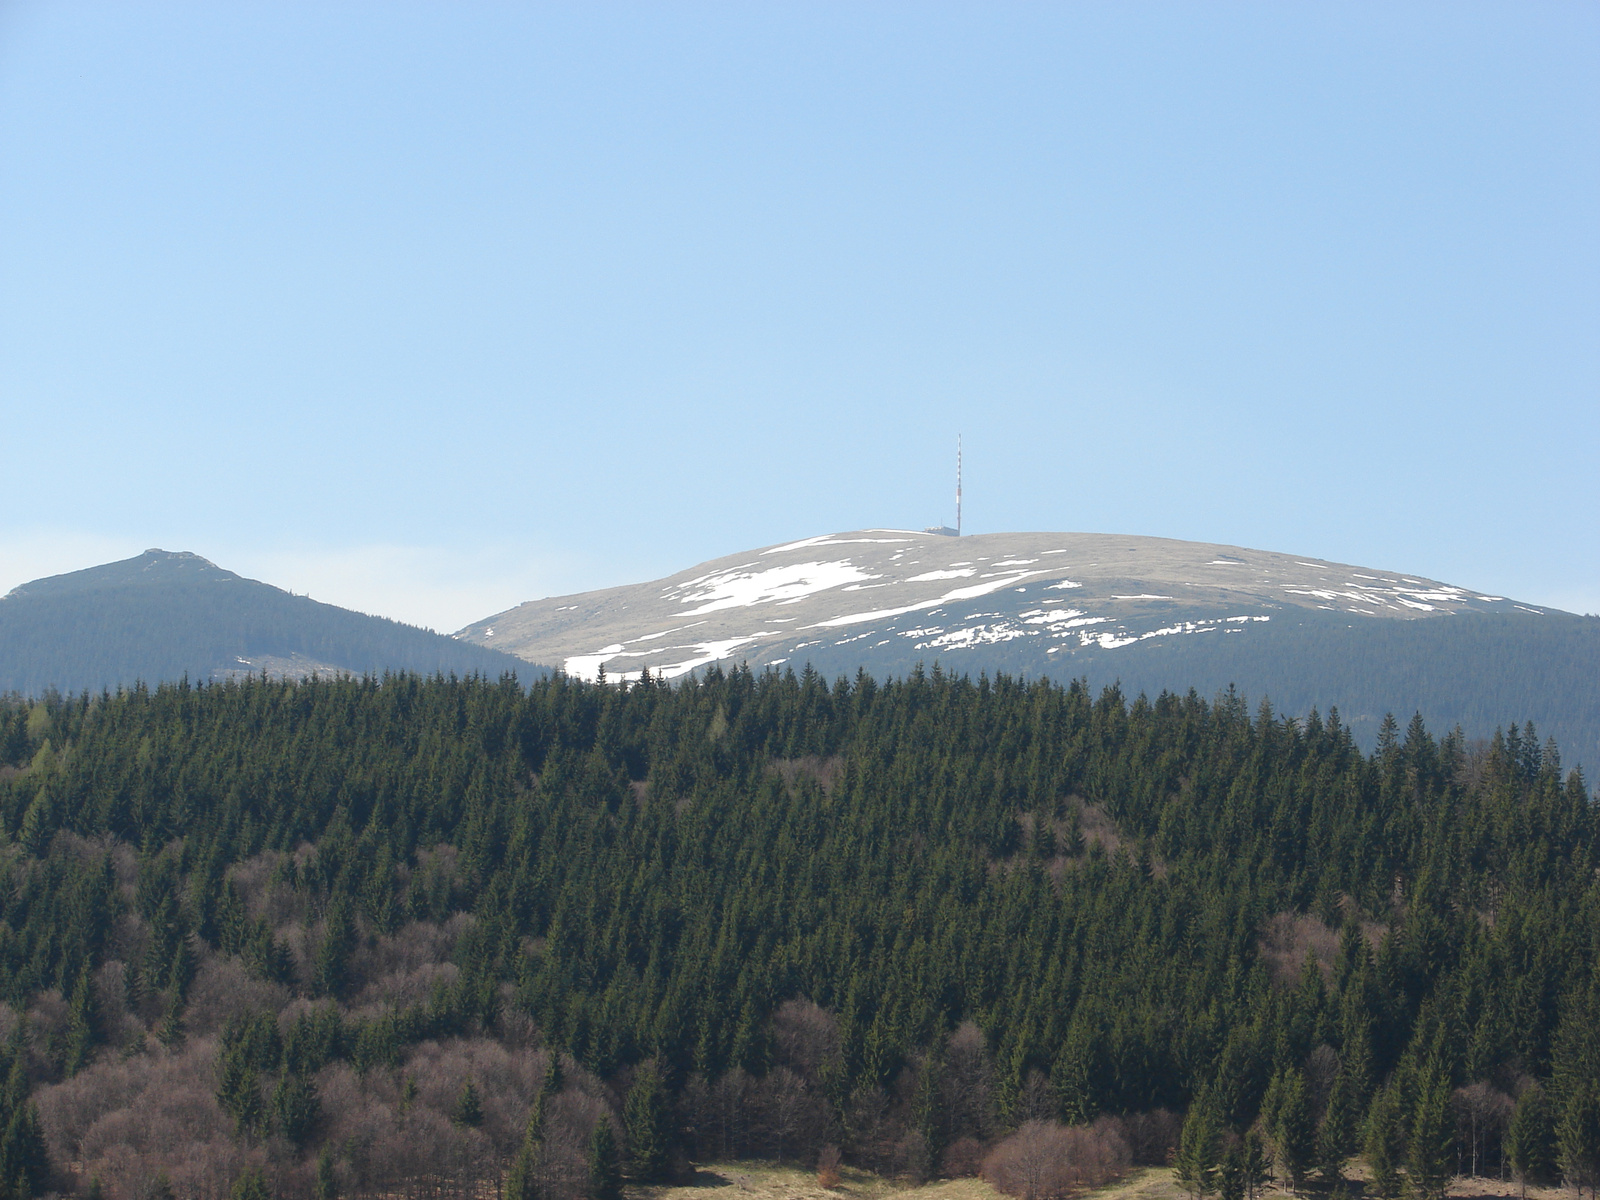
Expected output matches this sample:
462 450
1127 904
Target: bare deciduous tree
967 1089
1046 1161
1482 1112
806 1037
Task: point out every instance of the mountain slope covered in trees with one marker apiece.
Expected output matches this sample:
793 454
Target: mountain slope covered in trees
162 616
379 938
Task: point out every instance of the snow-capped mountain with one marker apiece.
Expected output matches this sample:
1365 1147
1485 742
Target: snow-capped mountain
1151 614
936 595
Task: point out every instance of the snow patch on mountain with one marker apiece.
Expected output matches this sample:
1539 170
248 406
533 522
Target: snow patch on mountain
780 585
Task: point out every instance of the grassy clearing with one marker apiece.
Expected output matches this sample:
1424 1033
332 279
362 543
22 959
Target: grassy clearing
1145 1183
766 1181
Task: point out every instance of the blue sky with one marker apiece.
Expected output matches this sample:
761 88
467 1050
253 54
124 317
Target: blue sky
429 309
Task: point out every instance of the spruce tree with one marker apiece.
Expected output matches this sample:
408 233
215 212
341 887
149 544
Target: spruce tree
24 1156
252 1185
927 1104
1257 1164
1431 1138
522 1177
605 1168
525 1177
295 1107
81 1024
1072 1077
38 823
1231 1173
1336 1134
1578 1136
1530 1138
648 1116
1199 1144
468 1111
1384 1143
1293 1131
239 1088
333 951
326 1186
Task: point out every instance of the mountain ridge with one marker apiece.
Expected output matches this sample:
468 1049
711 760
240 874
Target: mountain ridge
813 584
1150 613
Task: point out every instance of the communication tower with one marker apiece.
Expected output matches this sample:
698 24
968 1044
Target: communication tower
945 530
958 485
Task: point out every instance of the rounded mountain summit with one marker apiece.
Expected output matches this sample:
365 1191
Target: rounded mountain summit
1150 614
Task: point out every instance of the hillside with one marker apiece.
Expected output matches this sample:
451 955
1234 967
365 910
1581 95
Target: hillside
162 616
437 938
1151 613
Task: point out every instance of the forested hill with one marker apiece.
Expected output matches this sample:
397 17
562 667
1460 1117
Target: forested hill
308 928
162 616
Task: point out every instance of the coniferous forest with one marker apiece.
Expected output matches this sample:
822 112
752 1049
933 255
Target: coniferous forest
459 937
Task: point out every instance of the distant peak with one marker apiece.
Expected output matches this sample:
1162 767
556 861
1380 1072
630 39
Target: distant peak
154 567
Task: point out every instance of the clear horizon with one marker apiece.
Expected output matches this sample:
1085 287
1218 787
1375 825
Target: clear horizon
428 310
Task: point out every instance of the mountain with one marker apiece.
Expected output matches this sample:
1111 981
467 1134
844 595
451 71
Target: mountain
164 615
1152 613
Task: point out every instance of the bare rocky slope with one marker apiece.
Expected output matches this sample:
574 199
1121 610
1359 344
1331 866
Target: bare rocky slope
1150 613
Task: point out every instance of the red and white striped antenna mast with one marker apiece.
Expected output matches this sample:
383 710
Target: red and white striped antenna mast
958 485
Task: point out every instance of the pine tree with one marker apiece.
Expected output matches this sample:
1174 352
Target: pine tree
1072 1077
468 1111
1257 1165
81 1024
522 1177
648 1116
927 1104
24 1156
1198 1149
1578 1136
1336 1134
239 1088
1431 1138
1293 1131
605 1169
333 952
327 1183
252 1185
295 1107
326 1186
1530 1138
1384 1143
1231 1183
38 823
